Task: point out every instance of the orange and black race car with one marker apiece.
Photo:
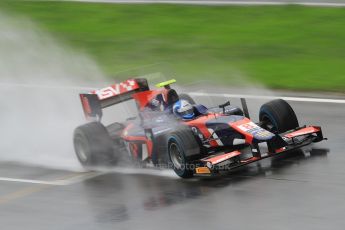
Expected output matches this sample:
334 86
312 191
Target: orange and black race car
212 141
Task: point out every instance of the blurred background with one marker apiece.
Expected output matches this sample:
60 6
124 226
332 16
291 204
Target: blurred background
285 47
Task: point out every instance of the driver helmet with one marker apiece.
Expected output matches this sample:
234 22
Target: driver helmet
183 109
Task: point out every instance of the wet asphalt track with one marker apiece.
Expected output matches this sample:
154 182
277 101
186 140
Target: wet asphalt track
295 191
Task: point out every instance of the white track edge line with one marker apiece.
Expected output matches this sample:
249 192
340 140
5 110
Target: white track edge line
301 99
8 179
73 180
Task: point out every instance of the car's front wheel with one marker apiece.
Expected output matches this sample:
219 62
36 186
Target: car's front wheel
182 148
277 116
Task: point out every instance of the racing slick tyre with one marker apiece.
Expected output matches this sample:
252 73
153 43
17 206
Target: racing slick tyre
182 148
186 97
277 116
93 145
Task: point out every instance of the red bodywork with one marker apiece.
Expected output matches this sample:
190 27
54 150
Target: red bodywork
116 89
303 131
220 158
200 123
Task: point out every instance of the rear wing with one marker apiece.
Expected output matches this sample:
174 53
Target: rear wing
96 100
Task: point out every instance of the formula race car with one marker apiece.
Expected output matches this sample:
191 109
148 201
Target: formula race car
212 141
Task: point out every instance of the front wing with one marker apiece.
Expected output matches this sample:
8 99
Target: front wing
294 139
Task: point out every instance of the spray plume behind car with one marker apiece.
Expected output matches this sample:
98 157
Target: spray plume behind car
38 76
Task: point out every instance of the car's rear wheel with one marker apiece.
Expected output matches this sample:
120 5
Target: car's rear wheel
277 116
93 145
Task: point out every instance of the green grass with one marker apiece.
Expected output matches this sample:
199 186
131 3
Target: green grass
287 47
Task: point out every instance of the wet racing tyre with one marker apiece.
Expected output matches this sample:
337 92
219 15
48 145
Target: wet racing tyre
277 116
182 148
93 145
